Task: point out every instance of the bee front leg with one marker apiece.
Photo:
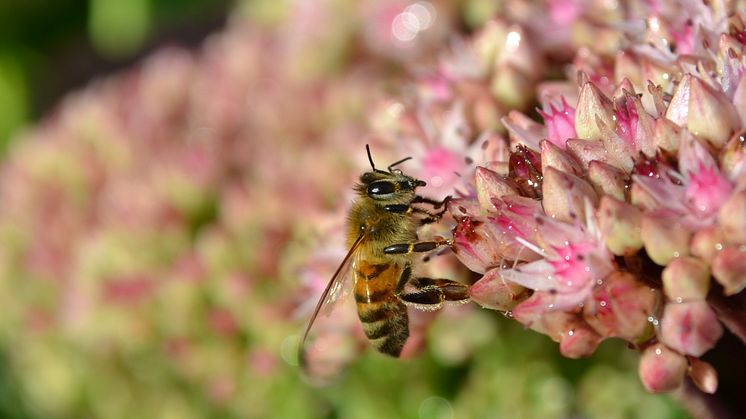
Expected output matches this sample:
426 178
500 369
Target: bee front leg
429 293
436 204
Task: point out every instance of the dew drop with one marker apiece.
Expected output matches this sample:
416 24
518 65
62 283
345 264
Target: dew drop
658 351
602 303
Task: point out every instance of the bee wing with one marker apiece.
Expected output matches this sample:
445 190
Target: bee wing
331 293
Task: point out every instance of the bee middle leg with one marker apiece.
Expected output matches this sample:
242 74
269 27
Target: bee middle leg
430 294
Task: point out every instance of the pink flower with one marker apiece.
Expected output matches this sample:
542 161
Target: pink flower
560 123
574 259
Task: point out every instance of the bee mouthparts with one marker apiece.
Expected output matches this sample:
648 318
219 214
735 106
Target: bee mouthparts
420 183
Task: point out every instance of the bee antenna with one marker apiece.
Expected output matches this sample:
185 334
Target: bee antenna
391 166
370 159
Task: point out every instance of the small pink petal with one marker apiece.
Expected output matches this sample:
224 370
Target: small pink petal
560 123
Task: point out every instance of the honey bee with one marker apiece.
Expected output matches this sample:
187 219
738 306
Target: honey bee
382 240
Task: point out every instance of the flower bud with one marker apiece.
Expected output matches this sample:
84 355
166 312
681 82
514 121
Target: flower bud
620 224
537 314
706 243
690 328
667 135
733 157
554 156
703 375
585 151
491 186
739 100
524 130
732 218
607 180
474 245
579 341
564 195
620 307
661 369
665 239
495 293
686 279
642 198
729 269
592 104
511 87
705 112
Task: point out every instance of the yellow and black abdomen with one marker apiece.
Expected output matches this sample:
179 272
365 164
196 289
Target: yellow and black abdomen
382 314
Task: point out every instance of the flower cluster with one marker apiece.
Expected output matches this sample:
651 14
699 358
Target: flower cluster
623 214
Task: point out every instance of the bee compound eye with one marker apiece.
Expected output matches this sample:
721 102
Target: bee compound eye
381 188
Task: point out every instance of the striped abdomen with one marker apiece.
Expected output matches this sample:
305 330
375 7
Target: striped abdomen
382 314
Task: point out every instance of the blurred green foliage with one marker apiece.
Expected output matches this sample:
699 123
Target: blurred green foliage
50 46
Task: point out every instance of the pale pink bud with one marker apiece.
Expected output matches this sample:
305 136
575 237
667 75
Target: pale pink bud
474 244
487 42
554 156
621 306
661 369
592 104
607 179
491 186
664 238
732 218
579 342
705 112
511 87
706 243
620 224
642 198
667 135
485 113
703 375
739 100
690 328
524 130
537 313
627 67
733 157
495 293
686 279
585 151
564 195
729 269
520 53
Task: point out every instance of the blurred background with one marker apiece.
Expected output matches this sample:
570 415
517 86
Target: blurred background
169 168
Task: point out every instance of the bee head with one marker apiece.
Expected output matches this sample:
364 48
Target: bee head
387 186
